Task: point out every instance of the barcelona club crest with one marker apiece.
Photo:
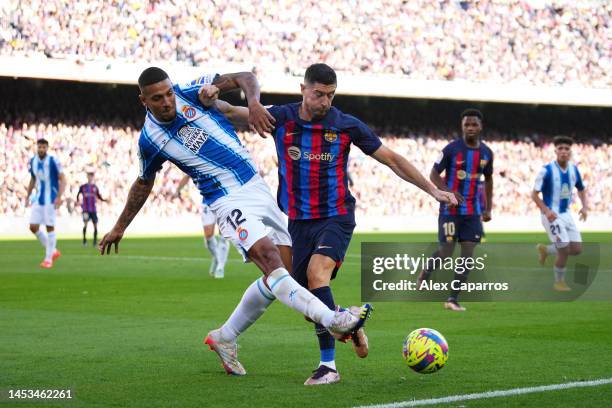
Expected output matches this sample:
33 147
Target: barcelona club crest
483 163
330 136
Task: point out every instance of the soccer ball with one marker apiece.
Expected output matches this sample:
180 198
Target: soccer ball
425 351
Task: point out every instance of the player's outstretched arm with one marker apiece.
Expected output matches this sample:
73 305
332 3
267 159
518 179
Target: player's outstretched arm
550 214
137 196
181 185
60 193
260 120
409 173
436 179
486 215
584 211
30 189
99 196
238 115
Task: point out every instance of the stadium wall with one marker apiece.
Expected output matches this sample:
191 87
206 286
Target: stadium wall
398 86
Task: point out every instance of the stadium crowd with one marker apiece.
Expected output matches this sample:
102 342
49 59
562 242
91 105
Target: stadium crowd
530 41
111 151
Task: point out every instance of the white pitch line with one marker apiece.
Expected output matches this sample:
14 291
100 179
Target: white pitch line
492 394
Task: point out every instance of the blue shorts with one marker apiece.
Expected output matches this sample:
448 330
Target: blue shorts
90 216
453 228
326 236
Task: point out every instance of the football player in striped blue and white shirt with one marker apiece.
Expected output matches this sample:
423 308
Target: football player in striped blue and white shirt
181 127
556 182
47 177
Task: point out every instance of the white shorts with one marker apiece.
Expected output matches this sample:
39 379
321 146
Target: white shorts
249 214
208 217
562 230
43 214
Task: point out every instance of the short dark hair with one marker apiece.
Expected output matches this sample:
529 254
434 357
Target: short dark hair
562 139
321 73
472 112
151 75
42 141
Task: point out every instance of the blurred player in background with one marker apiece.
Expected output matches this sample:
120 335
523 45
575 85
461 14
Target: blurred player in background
219 248
556 182
90 193
48 178
464 161
181 128
313 141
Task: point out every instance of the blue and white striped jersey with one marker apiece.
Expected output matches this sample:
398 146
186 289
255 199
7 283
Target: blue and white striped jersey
200 141
46 172
557 185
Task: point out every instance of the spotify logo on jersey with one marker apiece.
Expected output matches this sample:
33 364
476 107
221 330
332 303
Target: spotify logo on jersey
294 152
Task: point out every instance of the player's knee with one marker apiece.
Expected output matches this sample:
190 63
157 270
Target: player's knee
265 255
50 228
34 228
575 249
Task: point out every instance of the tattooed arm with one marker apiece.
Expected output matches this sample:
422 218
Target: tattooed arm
136 198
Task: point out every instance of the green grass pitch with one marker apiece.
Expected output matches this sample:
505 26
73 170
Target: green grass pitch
126 331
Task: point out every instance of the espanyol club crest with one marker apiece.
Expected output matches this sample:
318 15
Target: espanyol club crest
330 136
189 112
242 233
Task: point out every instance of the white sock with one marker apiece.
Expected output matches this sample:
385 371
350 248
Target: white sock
211 244
253 304
51 239
223 249
330 364
559 273
292 294
42 238
551 249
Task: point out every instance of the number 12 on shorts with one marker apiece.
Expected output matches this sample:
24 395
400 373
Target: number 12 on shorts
235 218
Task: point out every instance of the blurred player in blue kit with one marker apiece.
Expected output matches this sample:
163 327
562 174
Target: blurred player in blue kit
556 182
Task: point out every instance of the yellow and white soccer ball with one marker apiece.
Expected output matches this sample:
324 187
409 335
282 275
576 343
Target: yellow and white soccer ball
425 351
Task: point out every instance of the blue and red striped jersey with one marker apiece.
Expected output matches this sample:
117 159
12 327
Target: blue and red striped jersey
312 161
90 193
464 167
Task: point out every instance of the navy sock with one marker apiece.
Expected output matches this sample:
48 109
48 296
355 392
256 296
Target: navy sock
327 343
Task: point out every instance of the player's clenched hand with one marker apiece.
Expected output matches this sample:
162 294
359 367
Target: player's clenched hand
486 216
260 120
459 197
583 214
109 239
208 94
445 197
550 215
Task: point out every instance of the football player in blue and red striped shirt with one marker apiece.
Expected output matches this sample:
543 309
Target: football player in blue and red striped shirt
464 161
313 140
90 193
